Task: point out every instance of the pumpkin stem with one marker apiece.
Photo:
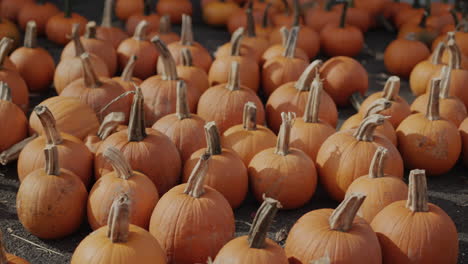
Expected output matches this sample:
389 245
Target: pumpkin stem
165 25
5 92
445 76
112 102
169 69
329 5
213 140
75 36
378 106
146 7
90 32
262 221
432 110
68 9
5 45
436 57
391 88
110 124
234 77
284 135
284 35
265 19
290 49
456 21
187 59
118 221
311 113
52 166
30 36
376 169
136 125
236 41
182 107
186 33
250 23
423 22
3 258
195 184
47 119
365 131
287 8
455 57
91 79
428 8
250 116
13 152
119 163
127 73
343 216
297 13
305 80
107 14
140 31
417 192
344 14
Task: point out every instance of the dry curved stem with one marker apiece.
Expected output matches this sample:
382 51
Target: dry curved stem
107 14
75 37
436 57
234 77
165 25
297 13
265 18
110 124
445 75
119 163
182 107
290 49
5 92
51 132
187 59
136 125
432 110
366 129
52 165
284 135
91 80
30 36
378 106
284 35
417 192
250 23
213 140
140 31
118 221
376 169
90 32
5 46
312 109
13 152
169 69
391 88
305 80
262 222
186 33
127 73
343 216
195 184
344 14
249 119
236 41
455 56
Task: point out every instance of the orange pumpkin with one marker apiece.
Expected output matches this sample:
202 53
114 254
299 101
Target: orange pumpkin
317 18
421 73
176 9
10 8
151 18
251 41
217 13
9 30
108 127
194 76
165 32
59 26
422 30
279 49
39 12
106 31
402 55
13 119
125 8
308 40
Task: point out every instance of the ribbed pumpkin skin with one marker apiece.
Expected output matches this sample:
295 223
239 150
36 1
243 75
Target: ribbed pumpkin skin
238 251
141 248
201 57
145 51
309 137
358 245
191 229
14 123
113 35
248 70
281 70
385 130
421 75
398 111
430 237
451 109
194 77
71 116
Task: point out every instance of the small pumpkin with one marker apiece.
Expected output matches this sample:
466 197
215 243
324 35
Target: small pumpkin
39 12
238 18
119 241
227 174
125 8
13 120
9 30
126 79
194 76
424 32
165 32
6 258
151 18
175 9
108 127
59 26
317 18
106 31
421 73
380 189
10 8
407 14
279 49
201 215
358 17
217 13
54 190
433 234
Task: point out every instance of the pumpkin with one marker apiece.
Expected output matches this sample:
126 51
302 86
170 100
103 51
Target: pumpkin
96 91
141 47
217 177
287 16
451 108
374 8
250 71
192 222
34 63
432 235
9 30
380 189
283 173
164 31
217 13
139 188
278 49
248 139
421 73
309 132
230 99
126 79
293 96
337 163
264 28
283 69
424 32
407 14
201 56
71 117
463 129
59 26
108 126
54 190
10 8
386 129
147 150
182 125
160 91
307 40
125 8
257 45
358 17
175 9
238 18
345 236
119 241
341 39
151 18
399 109
39 12
343 76
194 76
317 18
392 8
13 120
255 248
70 69
105 31
13 152
428 141
6 258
